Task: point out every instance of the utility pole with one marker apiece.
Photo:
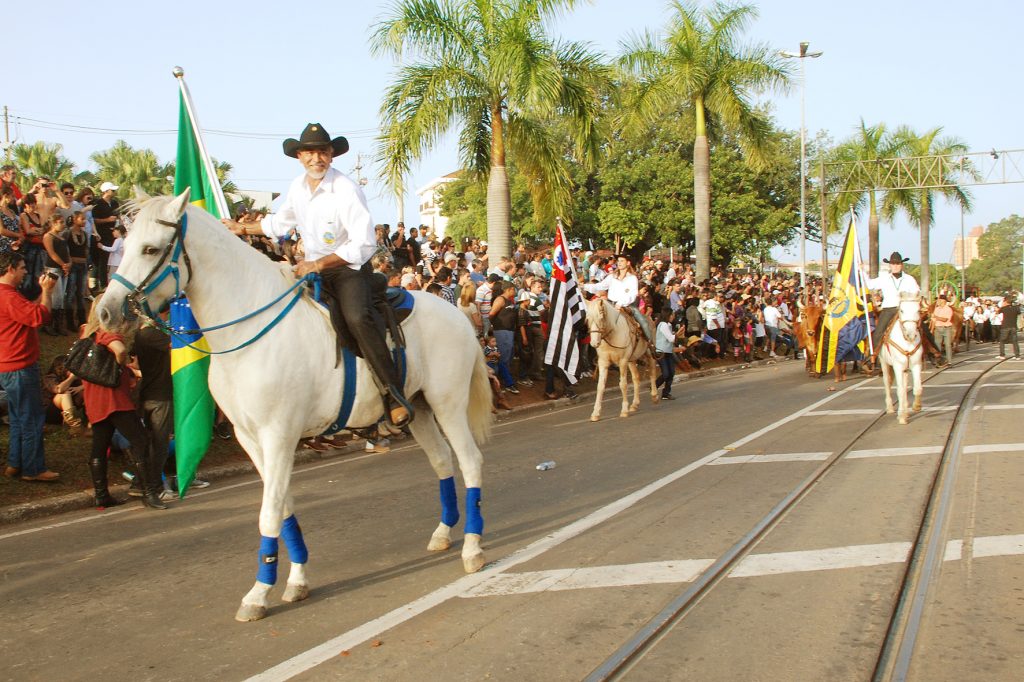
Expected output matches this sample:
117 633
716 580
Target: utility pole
7 135
360 180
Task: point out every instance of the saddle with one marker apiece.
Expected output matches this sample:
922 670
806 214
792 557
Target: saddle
926 344
390 306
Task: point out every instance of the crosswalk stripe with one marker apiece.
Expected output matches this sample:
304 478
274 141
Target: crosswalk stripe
755 565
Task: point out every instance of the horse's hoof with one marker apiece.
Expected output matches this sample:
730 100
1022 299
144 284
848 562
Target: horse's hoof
247 613
595 418
890 410
917 408
473 563
438 543
623 415
904 420
294 592
634 410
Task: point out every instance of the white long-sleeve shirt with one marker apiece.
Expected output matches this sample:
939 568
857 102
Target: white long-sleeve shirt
116 251
892 287
621 292
333 218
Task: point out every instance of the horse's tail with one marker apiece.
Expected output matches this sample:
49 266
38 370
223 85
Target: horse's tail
480 415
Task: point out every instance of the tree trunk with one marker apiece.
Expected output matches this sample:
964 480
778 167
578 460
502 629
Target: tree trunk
873 239
499 202
702 206
499 216
926 220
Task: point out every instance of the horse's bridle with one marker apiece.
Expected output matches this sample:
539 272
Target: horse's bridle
137 300
600 332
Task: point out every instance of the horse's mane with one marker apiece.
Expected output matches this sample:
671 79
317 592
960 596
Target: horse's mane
241 254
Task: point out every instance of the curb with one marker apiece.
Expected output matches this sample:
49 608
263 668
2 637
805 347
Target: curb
27 511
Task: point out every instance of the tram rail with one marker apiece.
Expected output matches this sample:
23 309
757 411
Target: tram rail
922 566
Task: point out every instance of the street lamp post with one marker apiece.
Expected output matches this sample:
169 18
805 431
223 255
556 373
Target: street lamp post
963 256
802 55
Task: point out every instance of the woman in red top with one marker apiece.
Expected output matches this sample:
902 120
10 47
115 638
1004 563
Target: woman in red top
112 408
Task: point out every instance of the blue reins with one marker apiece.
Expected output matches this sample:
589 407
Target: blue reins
138 295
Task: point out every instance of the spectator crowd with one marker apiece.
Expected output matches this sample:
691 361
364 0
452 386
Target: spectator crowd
59 245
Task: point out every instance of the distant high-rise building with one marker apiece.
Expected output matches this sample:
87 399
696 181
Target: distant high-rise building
965 252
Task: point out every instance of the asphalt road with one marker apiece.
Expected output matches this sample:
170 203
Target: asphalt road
581 555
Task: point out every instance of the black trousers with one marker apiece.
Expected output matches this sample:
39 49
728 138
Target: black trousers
353 308
881 324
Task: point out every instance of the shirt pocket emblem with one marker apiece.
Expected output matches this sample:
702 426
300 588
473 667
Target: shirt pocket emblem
328 238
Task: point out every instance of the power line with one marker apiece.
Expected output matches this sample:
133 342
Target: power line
27 122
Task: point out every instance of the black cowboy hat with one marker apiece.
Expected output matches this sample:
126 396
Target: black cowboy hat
895 258
314 135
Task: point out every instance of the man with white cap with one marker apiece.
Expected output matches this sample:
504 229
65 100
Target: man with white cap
104 218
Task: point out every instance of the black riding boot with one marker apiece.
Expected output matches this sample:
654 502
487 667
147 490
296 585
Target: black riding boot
152 483
98 470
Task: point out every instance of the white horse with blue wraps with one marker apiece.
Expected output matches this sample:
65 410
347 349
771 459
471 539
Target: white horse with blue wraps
288 384
902 352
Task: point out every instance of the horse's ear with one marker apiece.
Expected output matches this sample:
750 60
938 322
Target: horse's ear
140 194
177 206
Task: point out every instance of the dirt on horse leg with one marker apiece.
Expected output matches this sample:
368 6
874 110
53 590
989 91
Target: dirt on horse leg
602 378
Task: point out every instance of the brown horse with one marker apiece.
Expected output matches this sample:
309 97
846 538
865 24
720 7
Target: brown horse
806 331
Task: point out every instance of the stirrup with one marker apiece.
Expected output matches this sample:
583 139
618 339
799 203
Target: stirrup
399 411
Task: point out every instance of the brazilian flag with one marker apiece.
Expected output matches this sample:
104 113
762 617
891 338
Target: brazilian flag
843 327
190 366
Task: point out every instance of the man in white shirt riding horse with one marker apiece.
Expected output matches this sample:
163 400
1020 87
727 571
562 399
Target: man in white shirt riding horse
329 211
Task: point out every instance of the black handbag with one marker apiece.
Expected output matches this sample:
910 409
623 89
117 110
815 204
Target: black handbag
89 361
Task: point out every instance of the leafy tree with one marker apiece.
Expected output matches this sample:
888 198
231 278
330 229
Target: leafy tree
918 204
868 144
464 203
488 69
646 192
127 167
37 160
998 268
699 63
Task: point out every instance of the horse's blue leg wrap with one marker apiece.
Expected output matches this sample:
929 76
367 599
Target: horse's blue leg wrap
267 574
474 520
449 502
292 536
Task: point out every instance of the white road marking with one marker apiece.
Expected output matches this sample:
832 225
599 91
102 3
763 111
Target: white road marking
321 653
657 572
781 457
930 387
755 565
964 371
821 559
840 413
994 447
939 408
1005 371
1014 406
895 452
1009 383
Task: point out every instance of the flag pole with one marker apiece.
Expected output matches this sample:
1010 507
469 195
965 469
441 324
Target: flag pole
861 288
211 172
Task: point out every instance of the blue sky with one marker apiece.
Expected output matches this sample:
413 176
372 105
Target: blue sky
258 67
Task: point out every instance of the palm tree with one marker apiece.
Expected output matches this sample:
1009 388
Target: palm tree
488 69
918 203
868 145
128 167
699 63
39 160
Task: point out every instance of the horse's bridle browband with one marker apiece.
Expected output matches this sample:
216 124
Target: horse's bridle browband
138 295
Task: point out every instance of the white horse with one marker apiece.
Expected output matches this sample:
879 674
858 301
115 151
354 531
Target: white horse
901 350
615 341
288 385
